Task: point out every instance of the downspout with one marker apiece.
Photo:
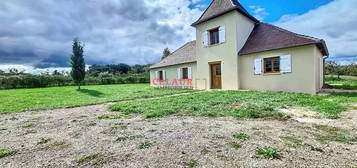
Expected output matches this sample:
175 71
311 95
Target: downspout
324 70
324 46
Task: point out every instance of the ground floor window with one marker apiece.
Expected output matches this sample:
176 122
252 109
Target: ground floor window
184 73
272 65
161 75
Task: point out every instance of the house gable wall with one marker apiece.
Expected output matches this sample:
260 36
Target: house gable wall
237 31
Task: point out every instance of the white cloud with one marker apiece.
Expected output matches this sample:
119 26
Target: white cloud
259 12
31 69
335 22
39 33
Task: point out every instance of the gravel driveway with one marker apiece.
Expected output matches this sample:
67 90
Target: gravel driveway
77 138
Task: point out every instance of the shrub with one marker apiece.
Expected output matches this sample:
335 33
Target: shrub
5 152
268 152
15 81
241 135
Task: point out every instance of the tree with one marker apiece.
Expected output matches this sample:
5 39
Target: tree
78 65
341 70
15 71
56 72
123 68
138 68
331 67
165 53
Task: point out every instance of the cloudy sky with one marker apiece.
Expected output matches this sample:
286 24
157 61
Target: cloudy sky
36 34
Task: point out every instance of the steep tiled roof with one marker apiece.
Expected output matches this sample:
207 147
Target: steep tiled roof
220 7
264 37
267 37
185 54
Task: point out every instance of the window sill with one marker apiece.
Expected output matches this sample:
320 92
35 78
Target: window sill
273 73
213 45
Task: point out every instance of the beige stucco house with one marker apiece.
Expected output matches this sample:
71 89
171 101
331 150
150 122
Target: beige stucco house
236 51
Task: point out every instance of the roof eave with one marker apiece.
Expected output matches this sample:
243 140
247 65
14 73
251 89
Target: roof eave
279 48
224 12
322 45
155 67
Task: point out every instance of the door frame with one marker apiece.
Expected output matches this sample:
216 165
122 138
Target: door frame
211 74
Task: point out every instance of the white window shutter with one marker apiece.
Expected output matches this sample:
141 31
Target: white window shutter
157 74
163 74
178 73
189 69
285 63
222 34
205 39
258 66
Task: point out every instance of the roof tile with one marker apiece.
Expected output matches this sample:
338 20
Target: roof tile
267 37
185 54
220 7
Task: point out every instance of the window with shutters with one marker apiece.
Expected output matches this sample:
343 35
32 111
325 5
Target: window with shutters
272 65
184 73
214 36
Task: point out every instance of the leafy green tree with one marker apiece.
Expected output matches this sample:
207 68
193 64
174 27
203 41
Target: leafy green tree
123 68
78 65
139 68
165 53
56 72
341 70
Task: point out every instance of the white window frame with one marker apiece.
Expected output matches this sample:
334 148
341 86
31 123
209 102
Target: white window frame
206 36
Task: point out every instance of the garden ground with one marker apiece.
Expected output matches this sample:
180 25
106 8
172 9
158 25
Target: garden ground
175 128
19 100
92 136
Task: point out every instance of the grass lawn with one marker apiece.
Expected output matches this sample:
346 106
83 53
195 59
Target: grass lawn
242 104
345 82
18 100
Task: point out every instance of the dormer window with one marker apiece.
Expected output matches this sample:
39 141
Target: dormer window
214 36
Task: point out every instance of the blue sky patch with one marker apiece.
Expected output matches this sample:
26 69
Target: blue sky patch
274 10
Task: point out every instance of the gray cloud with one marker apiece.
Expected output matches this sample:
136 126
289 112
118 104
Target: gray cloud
39 33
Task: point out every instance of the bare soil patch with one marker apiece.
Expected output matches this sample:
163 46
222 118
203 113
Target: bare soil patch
76 137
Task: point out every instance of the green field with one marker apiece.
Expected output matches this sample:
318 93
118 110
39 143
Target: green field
18 100
242 104
345 82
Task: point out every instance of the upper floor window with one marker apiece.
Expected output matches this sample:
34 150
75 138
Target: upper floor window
214 36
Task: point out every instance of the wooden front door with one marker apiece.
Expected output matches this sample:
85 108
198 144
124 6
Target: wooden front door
216 80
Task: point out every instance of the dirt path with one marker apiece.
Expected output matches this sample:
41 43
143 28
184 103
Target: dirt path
77 138
347 120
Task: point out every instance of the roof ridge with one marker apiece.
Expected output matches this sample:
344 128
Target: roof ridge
238 4
205 10
297 34
215 12
178 49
